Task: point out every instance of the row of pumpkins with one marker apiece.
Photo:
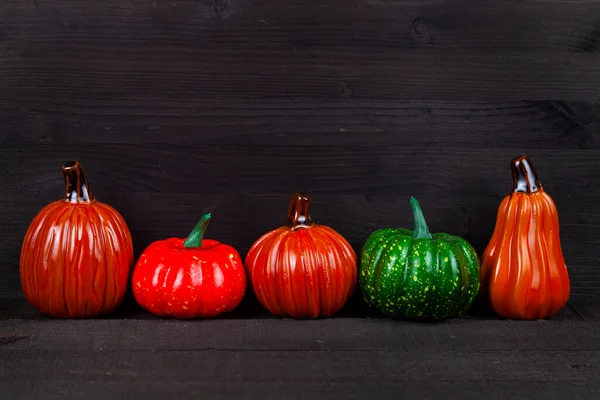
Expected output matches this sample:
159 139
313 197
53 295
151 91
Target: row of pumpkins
77 257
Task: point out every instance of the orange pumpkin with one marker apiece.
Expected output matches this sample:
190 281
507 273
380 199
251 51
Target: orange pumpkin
77 253
524 275
302 269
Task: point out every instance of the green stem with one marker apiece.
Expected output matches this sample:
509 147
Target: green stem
421 229
195 237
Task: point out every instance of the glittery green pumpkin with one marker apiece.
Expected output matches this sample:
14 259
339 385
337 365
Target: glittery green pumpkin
418 275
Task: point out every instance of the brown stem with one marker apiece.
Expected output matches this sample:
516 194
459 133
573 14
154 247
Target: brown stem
299 215
525 179
76 185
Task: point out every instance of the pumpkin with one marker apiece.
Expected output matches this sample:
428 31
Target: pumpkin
77 253
523 271
416 274
302 269
188 278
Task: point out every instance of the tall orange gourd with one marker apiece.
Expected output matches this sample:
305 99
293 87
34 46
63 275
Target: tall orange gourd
524 275
77 253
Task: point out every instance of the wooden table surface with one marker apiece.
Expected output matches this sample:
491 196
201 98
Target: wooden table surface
135 355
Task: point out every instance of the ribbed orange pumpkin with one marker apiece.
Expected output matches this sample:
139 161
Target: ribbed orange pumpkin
77 254
302 269
524 275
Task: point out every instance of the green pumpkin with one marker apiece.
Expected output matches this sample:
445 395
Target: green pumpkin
418 275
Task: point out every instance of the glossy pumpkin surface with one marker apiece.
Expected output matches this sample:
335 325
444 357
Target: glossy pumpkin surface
77 254
302 269
416 274
189 278
524 275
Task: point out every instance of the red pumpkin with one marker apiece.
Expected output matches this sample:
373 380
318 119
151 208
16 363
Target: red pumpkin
189 278
302 269
77 253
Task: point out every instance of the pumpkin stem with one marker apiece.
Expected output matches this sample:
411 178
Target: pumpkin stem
76 184
298 214
525 179
421 230
194 239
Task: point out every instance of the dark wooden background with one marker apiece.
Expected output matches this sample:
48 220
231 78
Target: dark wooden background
181 107
176 108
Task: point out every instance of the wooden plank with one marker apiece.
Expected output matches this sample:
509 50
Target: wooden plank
329 358
275 334
554 389
366 170
185 367
483 26
424 50
114 70
71 118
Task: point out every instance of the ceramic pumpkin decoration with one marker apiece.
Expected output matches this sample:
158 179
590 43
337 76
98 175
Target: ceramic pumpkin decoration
302 269
188 278
524 275
77 253
416 274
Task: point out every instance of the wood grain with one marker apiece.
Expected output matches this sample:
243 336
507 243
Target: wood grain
484 26
105 387
367 49
343 72
70 119
285 334
194 367
332 358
